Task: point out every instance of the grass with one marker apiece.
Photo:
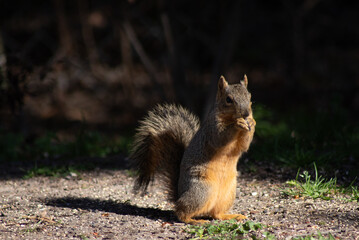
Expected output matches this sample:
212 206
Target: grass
47 155
301 137
49 171
352 192
318 187
304 138
295 139
230 229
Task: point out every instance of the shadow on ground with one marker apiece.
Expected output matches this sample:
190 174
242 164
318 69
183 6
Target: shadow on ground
111 206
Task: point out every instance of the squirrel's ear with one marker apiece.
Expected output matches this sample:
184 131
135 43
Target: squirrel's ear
222 83
244 82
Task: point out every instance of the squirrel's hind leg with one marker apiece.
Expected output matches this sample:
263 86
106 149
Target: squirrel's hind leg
195 200
185 214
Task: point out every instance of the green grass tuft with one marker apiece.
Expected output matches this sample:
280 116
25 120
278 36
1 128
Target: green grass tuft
318 187
230 229
305 186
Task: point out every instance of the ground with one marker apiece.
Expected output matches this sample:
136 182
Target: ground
100 205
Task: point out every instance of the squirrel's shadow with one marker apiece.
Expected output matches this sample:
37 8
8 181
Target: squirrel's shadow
111 206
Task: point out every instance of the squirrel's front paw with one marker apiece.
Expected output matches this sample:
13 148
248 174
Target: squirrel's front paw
251 122
242 123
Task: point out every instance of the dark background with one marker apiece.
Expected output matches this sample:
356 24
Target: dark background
105 63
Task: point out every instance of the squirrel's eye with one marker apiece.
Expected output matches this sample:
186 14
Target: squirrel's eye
229 100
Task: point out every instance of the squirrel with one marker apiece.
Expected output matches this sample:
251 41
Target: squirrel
197 164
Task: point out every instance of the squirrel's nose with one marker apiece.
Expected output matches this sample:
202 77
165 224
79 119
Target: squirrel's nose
245 114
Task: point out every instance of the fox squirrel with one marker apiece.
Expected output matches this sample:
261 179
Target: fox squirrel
197 164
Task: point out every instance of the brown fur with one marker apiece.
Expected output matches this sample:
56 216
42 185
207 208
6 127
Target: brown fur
201 166
159 144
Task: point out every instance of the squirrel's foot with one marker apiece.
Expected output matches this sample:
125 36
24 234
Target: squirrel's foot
242 123
229 216
194 221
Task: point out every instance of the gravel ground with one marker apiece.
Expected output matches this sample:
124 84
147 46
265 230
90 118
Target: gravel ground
101 205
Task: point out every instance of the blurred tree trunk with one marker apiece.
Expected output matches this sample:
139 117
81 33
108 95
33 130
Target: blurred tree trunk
87 34
127 65
3 69
177 72
126 54
66 42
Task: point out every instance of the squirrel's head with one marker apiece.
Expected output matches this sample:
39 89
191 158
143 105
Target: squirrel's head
233 101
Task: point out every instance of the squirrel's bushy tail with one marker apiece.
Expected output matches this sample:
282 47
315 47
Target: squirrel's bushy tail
159 144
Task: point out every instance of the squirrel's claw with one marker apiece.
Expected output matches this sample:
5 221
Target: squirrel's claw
243 124
251 123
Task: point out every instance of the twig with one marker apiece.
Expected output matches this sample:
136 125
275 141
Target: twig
140 51
125 50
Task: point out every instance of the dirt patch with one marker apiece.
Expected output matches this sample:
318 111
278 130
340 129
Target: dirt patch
101 205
